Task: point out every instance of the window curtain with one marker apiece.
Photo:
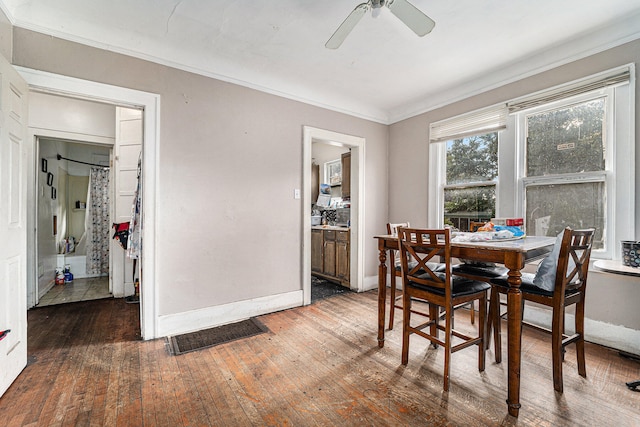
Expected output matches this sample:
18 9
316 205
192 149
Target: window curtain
479 122
615 77
97 222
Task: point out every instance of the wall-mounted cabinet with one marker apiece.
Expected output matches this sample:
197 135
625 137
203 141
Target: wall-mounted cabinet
315 182
330 255
346 175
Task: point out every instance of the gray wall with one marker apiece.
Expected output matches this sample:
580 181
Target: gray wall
229 160
6 36
611 299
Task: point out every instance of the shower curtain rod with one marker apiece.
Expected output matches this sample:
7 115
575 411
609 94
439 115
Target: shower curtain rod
84 163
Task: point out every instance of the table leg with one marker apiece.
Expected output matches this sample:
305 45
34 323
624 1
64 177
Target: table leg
382 291
514 328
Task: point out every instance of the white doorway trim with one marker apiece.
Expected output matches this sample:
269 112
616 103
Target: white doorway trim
150 103
357 144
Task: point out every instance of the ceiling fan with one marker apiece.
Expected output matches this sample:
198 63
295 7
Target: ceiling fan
412 17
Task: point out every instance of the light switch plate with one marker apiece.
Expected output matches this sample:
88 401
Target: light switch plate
296 193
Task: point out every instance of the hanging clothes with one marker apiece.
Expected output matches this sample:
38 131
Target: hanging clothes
135 241
121 233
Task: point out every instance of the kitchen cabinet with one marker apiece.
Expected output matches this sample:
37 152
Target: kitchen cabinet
342 255
330 254
346 175
317 242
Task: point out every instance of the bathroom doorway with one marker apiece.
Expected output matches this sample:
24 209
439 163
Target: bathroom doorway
56 120
105 140
76 243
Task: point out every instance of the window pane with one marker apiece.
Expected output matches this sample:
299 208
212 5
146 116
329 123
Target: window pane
550 208
566 140
462 205
472 159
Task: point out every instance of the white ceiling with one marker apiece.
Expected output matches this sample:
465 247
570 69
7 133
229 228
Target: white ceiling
382 72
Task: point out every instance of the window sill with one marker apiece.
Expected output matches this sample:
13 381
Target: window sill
615 267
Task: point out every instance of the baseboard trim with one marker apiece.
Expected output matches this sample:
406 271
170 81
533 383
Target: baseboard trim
189 321
43 291
614 336
370 282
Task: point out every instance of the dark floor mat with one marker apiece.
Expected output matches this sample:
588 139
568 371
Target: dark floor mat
206 338
321 289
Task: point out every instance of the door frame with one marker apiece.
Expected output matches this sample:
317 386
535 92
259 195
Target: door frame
357 145
41 81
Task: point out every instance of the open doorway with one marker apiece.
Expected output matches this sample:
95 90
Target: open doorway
73 208
345 241
330 219
93 158
148 107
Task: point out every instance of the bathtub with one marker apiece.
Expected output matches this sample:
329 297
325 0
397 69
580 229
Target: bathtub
77 262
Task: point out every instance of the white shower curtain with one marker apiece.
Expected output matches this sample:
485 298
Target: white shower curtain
97 222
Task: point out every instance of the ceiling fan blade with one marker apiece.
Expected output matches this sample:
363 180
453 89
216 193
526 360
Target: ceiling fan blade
345 28
412 17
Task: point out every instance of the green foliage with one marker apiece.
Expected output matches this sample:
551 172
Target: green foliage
472 160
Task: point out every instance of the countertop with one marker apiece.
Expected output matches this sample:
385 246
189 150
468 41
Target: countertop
329 227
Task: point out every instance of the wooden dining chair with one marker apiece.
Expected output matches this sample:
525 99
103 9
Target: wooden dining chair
395 300
396 294
439 289
474 225
560 281
395 272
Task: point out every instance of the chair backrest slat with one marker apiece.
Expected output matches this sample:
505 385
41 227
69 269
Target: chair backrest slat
576 247
426 248
392 228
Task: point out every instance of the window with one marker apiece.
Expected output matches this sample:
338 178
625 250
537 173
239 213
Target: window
471 174
333 172
565 179
565 157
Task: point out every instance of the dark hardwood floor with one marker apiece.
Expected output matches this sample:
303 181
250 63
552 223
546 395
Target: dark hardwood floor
318 366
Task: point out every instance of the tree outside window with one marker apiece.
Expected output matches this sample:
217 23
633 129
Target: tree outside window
471 174
565 150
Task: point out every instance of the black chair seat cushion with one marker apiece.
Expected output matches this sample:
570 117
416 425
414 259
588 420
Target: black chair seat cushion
529 286
434 266
461 286
489 271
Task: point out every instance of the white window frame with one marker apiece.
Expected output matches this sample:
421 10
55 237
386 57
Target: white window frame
619 173
606 176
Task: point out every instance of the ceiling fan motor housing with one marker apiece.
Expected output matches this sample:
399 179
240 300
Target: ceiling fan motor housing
410 15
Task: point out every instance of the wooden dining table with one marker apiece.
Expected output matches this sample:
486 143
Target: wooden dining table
513 254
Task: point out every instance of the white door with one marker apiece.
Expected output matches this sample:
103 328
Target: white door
13 227
125 178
